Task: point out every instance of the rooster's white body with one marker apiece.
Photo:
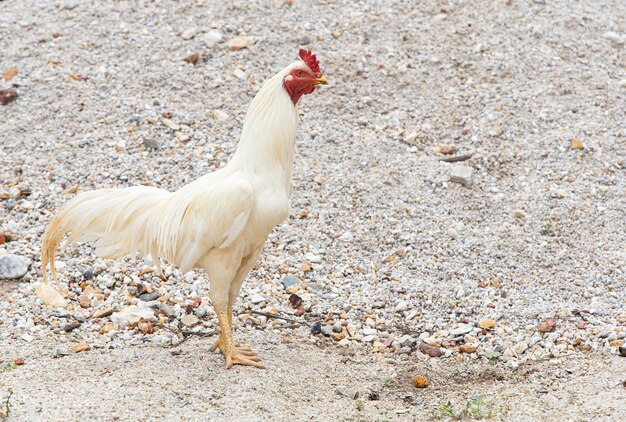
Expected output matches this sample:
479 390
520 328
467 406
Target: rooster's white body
219 222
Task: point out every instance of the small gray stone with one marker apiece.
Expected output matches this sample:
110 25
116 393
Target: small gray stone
257 298
401 306
411 138
152 304
614 37
311 257
326 330
337 327
189 320
79 317
13 266
59 313
71 326
212 38
290 280
62 352
304 40
147 297
200 312
411 315
405 349
189 33
132 313
15 193
315 287
406 340
462 330
11 226
316 328
151 144
167 310
520 347
461 174
220 115
346 392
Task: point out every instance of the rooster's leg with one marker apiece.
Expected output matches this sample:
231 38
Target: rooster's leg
235 286
233 355
223 297
246 351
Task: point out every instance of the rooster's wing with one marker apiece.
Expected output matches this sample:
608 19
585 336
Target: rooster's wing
199 218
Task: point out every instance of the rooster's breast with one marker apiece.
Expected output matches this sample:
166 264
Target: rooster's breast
270 209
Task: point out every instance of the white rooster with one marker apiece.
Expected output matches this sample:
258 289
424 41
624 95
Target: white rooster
220 221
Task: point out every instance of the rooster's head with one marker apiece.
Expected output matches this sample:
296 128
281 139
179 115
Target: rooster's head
304 77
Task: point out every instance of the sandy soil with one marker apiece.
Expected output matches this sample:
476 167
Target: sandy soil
188 383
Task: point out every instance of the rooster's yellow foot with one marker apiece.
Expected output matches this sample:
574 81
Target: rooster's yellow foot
235 355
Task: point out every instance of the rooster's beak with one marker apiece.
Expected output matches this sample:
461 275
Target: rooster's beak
320 81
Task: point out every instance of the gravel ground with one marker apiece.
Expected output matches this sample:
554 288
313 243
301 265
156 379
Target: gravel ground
507 286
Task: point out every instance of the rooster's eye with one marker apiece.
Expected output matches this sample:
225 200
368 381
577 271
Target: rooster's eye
300 73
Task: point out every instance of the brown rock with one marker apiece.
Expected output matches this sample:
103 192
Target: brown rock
295 301
102 313
486 324
339 336
547 325
467 348
78 77
622 351
616 343
577 144
84 301
447 149
70 190
193 58
108 327
19 362
80 348
10 73
7 95
145 327
433 352
9 236
239 43
48 295
420 382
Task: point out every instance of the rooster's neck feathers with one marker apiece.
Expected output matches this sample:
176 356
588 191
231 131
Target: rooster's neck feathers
267 142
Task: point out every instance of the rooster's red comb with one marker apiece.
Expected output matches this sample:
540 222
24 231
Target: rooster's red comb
309 58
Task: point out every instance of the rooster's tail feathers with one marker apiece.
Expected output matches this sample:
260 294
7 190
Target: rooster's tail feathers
115 219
